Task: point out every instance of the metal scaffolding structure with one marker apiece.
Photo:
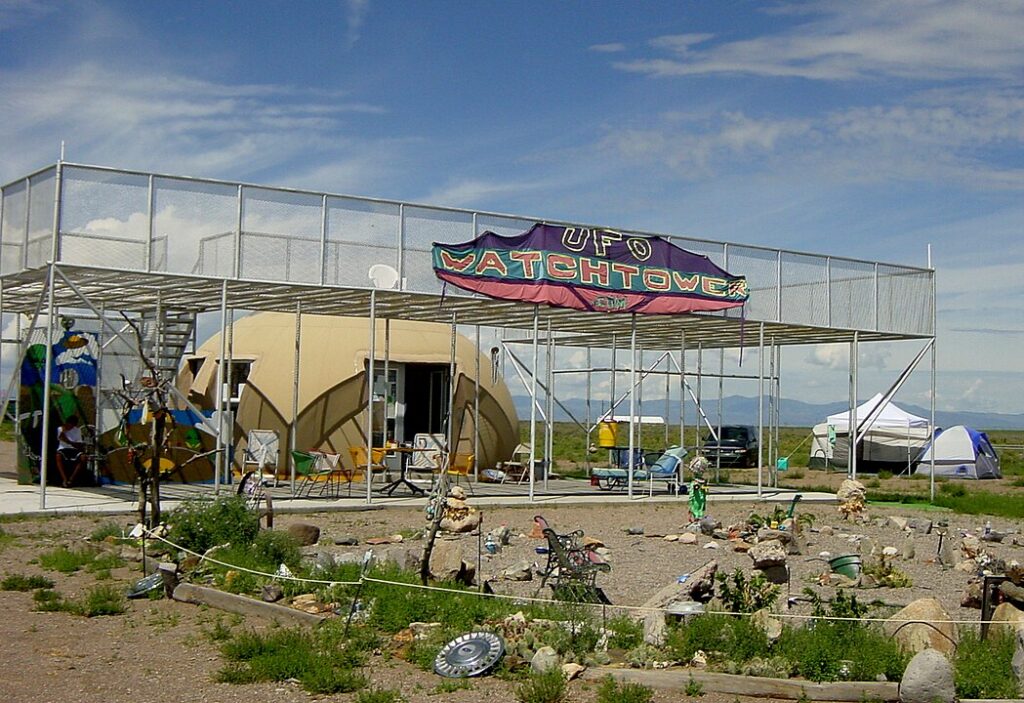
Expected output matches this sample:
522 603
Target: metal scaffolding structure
77 237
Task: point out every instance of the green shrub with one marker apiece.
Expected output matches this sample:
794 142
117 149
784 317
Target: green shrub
549 687
200 524
610 691
379 695
746 595
273 547
100 600
694 689
19 582
625 633
819 651
982 668
67 561
107 529
735 638
48 601
884 475
451 686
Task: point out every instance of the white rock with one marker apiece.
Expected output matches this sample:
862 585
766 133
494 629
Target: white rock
928 678
572 671
711 545
545 659
688 538
890 551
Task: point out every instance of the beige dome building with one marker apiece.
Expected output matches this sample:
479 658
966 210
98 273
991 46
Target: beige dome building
332 385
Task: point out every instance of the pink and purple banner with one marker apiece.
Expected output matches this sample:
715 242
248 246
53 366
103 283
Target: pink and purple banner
589 269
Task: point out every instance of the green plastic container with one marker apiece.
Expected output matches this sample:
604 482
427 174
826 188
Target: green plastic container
782 463
847 565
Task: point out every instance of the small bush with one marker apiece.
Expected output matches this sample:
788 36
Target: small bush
549 687
982 668
734 638
884 475
379 695
954 490
451 686
107 529
48 601
625 633
200 524
67 561
610 691
273 547
100 600
19 582
694 689
742 595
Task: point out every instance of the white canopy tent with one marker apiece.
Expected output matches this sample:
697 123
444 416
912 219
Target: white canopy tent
895 438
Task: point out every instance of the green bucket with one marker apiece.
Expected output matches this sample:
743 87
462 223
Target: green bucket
847 565
782 463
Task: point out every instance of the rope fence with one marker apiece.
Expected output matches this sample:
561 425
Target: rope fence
553 602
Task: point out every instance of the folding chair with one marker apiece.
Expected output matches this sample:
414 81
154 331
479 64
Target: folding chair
307 466
261 450
358 454
462 465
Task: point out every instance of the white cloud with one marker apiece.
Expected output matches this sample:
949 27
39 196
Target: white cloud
355 16
837 356
609 48
466 192
935 39
15 13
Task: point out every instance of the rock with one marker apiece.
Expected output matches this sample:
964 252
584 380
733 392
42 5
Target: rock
467 576
850 497
928 678
699 660
634 530
711 545
1007 617
967 566
972 595
921 526
271 593
422 630
304 533
672 538
1012 592
719 534
1017 663
930 631
947 554
740 546
908 549
655 628
446 560
770 626
457 492
827 531
770 553
900 523
572 671
545 659
687 538
699 586
867 547
890 551
346 541
765 534
778 574
468 522
708 525
522 571
592 542
993 536
970 546
397 539
603 552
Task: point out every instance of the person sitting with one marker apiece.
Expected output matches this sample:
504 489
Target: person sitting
70 450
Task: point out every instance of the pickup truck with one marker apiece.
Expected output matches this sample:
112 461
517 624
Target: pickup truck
737 448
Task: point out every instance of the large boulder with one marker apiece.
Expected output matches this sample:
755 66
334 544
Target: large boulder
928 678
304 533
446 560
655 628
769 553
1007 617
929 627
699 586
545 659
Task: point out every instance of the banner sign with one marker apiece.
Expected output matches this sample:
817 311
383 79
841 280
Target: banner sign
589 269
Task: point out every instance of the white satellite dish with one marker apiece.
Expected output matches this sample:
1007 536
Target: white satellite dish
383 276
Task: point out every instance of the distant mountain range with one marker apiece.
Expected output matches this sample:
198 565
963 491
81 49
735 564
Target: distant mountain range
741 410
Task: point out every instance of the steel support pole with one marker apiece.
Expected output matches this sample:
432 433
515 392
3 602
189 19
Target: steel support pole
931 402
476 411
761 406
293 430
700 386
47 440
632 399
590 414
387 374
668 400
853 438
718 430
549 434
778 402
682 389
533 401
221 446
451 439
370 364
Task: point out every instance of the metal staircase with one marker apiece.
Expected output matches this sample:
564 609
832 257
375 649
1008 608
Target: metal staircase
167 335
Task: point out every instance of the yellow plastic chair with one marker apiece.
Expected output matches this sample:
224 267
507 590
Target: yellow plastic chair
358 454
462 465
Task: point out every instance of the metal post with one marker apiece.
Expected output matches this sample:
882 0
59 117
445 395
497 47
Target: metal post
533 400
632 398
931 403
452 381
668 399
476 408
149 225
611 400
323 240
590 415
221 446
237 265
700 385
549 435
778 401
46 443
293 430
760 409
852 434
718 429
369 396
682 389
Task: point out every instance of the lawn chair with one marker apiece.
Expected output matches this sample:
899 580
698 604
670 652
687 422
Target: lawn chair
462 466
573 566
358 454
261 451
308 468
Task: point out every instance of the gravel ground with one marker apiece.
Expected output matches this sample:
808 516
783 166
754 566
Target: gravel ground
157 651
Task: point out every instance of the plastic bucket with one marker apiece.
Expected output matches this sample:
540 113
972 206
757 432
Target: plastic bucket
607 433
782 463
847 565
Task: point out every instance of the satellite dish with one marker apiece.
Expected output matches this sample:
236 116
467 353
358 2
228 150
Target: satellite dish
383 276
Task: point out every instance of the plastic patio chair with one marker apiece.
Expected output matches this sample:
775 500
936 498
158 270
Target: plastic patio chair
462 466
358 454
307 466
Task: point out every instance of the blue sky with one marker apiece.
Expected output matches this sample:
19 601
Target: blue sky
860 128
